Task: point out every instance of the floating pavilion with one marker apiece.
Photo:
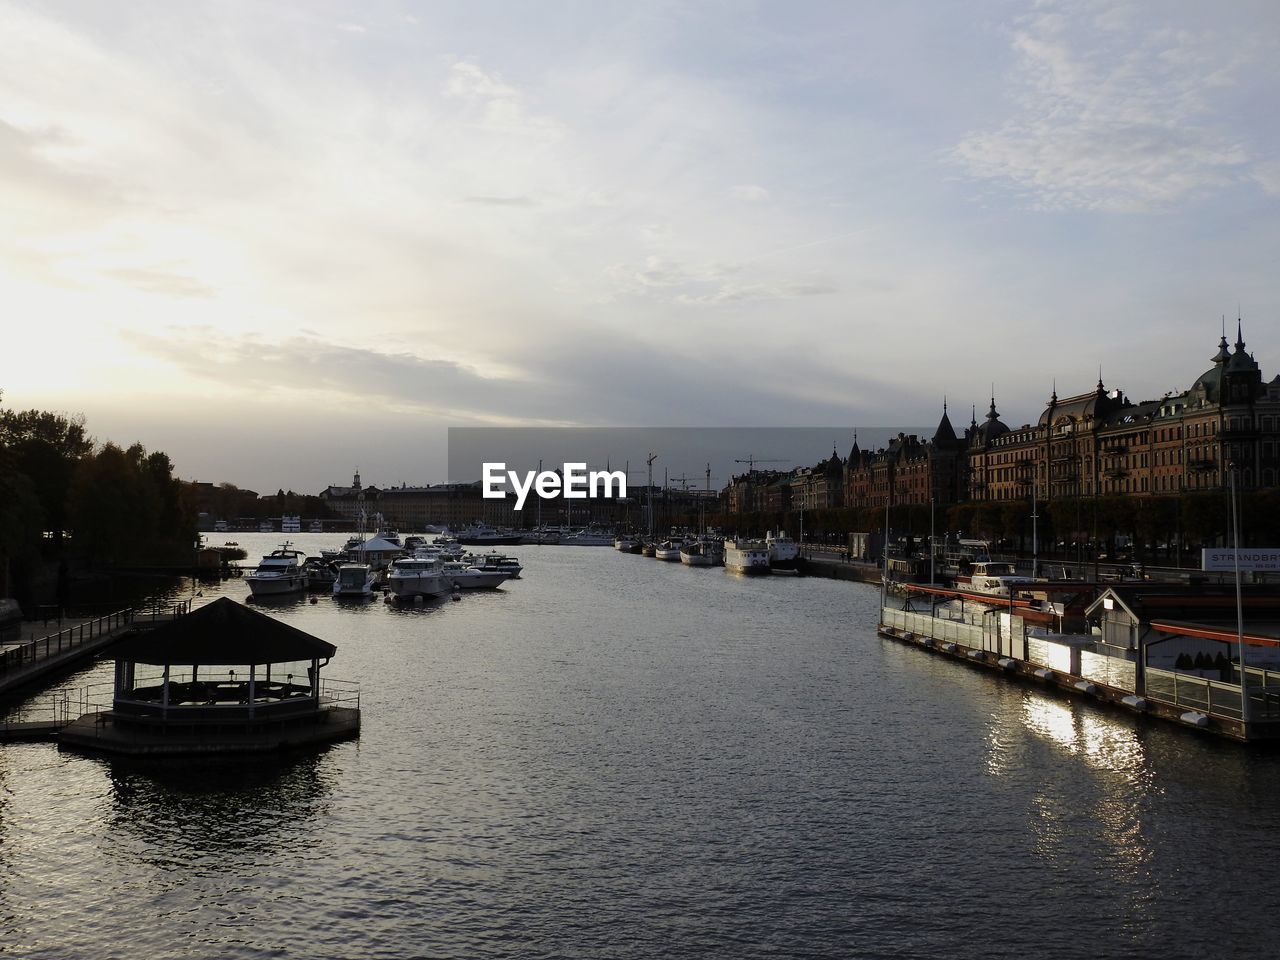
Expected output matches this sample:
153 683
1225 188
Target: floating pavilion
222 679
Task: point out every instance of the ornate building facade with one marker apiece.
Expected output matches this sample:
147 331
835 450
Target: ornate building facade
1098 443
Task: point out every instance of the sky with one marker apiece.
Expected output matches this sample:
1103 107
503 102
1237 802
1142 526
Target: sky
280 241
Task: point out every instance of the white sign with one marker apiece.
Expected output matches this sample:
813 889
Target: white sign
575 482
1223 560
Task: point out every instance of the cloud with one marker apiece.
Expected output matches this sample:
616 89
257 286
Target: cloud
750 192
1111 116
502 201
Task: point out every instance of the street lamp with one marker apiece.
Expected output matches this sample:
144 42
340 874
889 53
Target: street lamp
1235 552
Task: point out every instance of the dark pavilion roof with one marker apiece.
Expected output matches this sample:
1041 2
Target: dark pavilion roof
220 633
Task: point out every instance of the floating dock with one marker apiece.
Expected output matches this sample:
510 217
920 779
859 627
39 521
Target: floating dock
1113 661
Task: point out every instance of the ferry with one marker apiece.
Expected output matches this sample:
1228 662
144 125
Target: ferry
482 535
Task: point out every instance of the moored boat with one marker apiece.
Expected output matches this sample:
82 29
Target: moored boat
418 576
702 553
746 556
482 535
995 577
784 552
465 577
320 573
279 572
499 563
668 550
588 538
353 580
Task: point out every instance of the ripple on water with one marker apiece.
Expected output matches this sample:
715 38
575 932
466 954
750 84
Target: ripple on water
617 758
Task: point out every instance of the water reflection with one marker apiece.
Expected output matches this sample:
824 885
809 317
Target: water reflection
219 805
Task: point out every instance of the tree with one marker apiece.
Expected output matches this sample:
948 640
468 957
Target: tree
46 447
126 506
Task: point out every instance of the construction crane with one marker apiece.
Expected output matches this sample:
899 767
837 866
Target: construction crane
752 461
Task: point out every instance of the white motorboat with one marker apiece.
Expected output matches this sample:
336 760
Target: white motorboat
465 577
626 543
746 556
353 580
702 553
279 572
784 552
588 538
499 563
418 576
449 547
995 577
668 550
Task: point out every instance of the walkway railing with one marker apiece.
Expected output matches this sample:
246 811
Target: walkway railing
21 655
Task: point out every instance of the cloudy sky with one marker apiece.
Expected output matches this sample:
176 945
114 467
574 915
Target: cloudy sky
282 240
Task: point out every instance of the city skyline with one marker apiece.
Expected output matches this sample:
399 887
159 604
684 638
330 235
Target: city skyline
282 241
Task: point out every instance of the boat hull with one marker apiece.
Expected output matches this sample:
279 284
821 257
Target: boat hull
276 586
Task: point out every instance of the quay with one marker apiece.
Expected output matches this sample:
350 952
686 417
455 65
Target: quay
1127 646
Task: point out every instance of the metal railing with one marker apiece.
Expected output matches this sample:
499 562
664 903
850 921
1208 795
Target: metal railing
1210 697
69 638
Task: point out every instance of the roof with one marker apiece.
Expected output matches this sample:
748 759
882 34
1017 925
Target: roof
223 632
378 545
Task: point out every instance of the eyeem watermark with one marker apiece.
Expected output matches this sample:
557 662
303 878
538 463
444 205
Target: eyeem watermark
574 482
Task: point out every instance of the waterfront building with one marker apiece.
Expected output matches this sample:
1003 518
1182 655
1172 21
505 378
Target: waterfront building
907 471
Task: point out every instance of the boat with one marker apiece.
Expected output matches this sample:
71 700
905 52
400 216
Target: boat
449 547
668 550
588 538
264 526
418 576
353 580
995 577
320 573
702 553
466 577
219 526
290 524
482 535
784 552
540 537
279 572
649 548
498 562
746 556
316 526
626 543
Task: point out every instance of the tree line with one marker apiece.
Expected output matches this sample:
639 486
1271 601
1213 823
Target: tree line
1153 526
65 497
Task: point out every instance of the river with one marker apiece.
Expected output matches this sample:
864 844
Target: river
616 757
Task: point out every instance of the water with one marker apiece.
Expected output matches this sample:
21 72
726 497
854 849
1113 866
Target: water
615 757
